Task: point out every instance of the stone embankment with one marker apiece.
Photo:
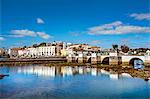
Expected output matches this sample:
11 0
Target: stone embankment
33 61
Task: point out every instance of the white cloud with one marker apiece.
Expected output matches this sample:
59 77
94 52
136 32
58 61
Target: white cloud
16 36
23 33
2 38
95 42
142 16
40 21
117 28
44 35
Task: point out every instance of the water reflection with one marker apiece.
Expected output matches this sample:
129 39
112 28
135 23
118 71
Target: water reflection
69 82
63 71
138 64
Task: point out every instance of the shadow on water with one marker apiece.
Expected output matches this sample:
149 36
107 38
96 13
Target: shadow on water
3 75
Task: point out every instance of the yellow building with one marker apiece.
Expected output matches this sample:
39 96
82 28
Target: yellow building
63 52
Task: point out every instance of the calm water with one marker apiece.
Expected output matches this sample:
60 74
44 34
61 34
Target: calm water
41 82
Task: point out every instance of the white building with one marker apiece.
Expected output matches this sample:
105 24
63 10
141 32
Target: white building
23 52
75 49
32 52
43 51
113 54
147 55
46 51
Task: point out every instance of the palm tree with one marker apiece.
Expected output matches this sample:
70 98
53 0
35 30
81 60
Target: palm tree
115 47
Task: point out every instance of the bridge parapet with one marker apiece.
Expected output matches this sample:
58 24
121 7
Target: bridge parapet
97 58
128 58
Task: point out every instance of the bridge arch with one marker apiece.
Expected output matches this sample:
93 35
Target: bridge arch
131 62
77 59
105 61
89 60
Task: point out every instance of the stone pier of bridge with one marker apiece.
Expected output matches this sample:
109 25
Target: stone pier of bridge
111 59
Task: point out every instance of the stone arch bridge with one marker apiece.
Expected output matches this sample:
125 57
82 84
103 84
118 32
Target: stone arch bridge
107 59
128 60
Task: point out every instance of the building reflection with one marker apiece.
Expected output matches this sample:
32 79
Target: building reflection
65 71
125 75
54 71
114 75
94 71
38 70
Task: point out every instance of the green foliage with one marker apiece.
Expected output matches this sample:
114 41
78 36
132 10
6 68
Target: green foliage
124 48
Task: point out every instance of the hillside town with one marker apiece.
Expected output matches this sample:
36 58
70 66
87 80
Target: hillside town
54 49
48 50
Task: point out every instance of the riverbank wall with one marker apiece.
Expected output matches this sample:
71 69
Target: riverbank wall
34 61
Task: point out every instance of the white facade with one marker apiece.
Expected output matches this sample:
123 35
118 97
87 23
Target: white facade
113 54
81 49
22 52
32 51
147 55
44 51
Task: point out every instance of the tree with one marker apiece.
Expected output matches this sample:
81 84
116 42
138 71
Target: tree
35 45
24 46
115 46
124 48
43 44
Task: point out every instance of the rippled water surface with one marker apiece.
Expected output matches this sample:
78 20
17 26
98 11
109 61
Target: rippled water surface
41 82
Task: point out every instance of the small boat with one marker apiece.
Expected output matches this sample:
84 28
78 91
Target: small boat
3 75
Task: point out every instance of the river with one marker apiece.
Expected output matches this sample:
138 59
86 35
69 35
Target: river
69 82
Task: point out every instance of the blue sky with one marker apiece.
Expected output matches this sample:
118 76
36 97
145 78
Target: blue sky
96 22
